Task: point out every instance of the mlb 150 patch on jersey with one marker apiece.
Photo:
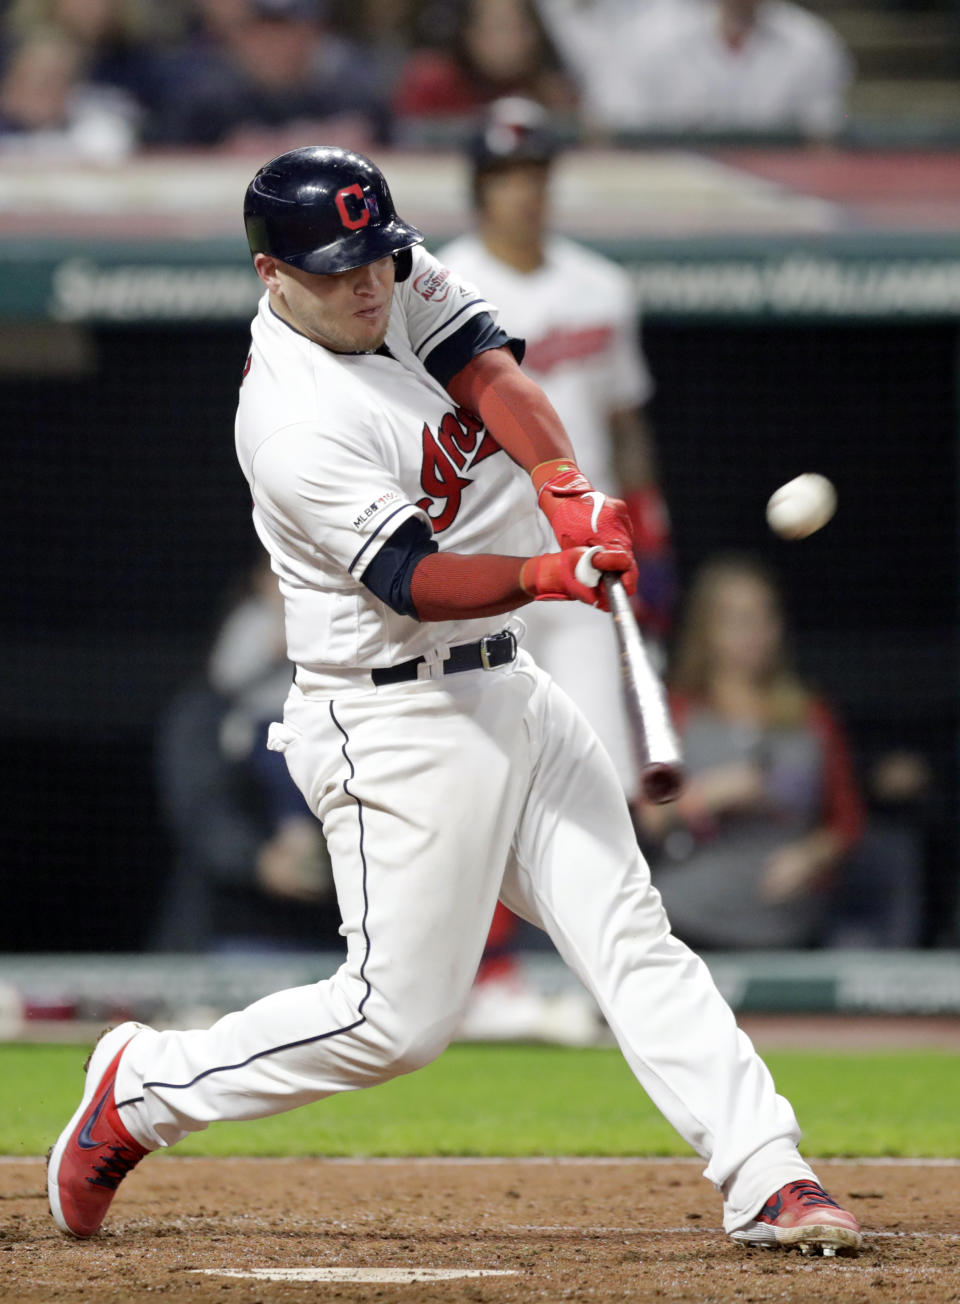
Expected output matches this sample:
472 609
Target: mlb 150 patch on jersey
385 499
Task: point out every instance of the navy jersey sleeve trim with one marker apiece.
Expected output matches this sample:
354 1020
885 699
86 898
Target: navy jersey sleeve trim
475 336
404 507
390 575
443 325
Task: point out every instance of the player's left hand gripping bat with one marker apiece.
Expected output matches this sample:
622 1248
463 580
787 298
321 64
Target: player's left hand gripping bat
658 750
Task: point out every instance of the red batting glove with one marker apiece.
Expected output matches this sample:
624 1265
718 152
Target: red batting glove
581 516
576 574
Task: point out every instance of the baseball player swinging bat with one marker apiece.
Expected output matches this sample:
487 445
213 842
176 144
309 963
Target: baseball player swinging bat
343 277
658 750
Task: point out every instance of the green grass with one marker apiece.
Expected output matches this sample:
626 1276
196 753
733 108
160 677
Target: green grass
525 1100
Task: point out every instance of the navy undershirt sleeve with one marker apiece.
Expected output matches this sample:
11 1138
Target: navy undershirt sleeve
390 574
475 336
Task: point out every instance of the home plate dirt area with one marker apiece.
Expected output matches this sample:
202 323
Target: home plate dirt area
241 1231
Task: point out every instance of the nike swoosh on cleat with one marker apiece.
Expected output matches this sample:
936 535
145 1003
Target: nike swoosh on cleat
598 500
85 1138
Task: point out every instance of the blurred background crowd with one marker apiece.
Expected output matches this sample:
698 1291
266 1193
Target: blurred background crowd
819 810
98 78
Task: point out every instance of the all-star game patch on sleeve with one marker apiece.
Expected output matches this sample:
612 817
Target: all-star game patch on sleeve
325 499
448 319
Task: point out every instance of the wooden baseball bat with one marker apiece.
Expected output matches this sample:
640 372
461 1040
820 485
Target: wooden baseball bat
655 740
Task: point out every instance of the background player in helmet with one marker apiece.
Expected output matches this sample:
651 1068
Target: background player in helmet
577 313
446 767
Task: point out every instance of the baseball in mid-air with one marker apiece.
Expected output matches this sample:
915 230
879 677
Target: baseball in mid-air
801 506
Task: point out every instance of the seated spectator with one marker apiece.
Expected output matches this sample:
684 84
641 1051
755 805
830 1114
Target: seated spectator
277 77
251 872
50 110
748 856
214 21
119 39
587 35
715 65
385 28
500 47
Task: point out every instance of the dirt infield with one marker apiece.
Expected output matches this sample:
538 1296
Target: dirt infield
587 1230
851 1032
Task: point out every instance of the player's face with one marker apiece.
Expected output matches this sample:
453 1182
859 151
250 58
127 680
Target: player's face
347 312
514 199
745 628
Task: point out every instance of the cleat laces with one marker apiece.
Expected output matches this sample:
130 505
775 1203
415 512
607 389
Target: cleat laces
812 1194
114 1167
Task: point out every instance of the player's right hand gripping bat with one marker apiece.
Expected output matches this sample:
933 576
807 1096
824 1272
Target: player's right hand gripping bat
657 747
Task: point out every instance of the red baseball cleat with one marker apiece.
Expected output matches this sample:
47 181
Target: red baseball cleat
802 1214
94 1152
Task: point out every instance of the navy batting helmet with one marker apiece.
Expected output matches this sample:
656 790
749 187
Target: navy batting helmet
514 130
324 209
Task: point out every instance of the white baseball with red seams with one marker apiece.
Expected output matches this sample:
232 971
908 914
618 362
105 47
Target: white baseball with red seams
801 506
441 793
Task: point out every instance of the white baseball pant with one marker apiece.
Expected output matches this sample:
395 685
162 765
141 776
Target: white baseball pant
577 646
436 796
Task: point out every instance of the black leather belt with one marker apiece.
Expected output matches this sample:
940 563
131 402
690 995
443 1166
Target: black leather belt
487 653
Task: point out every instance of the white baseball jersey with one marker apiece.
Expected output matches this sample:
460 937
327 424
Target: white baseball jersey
341 449
578 315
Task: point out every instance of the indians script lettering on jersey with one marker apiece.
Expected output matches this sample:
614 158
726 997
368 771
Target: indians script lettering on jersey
341 449
459 445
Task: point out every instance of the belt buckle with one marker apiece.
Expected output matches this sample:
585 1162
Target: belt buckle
491 642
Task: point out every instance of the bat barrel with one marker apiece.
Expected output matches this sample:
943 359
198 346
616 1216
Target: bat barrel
658 749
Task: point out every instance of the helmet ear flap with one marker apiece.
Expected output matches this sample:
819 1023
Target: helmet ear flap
402 264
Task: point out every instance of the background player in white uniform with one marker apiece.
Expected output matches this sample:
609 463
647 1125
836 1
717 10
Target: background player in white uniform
446 768
577 314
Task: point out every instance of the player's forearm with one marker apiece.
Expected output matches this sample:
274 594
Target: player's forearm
449 586
513 408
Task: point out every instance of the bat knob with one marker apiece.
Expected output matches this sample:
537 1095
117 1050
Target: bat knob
661 783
